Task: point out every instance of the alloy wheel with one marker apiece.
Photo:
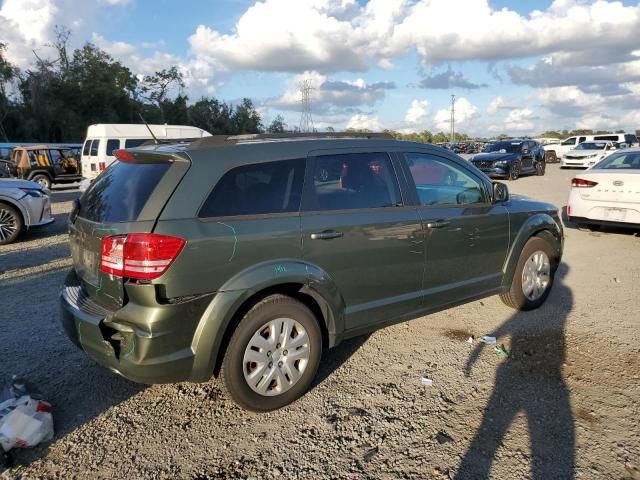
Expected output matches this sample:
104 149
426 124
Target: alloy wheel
8 224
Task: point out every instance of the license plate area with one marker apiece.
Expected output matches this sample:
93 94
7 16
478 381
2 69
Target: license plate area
616 214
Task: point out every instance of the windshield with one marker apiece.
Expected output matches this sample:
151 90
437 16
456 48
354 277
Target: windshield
591 146
503 147
620 161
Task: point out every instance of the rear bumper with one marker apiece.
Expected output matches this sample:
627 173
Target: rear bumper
603 213
143 341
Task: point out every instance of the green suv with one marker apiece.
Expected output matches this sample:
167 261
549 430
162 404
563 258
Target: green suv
240 257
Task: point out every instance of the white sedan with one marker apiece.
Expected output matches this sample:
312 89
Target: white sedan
609 192
587 154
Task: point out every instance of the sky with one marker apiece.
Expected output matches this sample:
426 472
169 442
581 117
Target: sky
516 67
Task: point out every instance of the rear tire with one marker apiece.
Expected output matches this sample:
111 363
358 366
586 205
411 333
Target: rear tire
42 180
260 352
550 157
11 224
526 271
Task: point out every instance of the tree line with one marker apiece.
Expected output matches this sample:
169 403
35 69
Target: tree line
55 100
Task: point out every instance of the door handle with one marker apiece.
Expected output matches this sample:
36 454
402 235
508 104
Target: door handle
326 235
438 224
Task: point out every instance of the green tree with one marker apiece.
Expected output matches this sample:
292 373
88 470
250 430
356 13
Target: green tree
157 87
277 125
246 118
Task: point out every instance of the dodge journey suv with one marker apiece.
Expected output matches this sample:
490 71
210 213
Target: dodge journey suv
240 258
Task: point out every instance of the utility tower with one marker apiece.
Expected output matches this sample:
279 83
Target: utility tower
306 122
453 118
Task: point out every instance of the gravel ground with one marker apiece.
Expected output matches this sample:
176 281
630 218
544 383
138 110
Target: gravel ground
566 403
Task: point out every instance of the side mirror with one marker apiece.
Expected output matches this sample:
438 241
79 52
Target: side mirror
500 192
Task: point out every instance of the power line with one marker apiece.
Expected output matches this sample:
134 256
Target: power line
306 121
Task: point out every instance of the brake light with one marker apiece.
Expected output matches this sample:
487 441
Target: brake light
124 156
102 166
582 183
141 256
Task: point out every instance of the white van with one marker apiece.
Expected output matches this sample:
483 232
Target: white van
104 138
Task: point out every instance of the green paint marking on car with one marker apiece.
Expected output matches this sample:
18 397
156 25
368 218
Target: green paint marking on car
341 234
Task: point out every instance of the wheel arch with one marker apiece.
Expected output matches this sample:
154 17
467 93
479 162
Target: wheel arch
304 282
541 225
46 173
21 210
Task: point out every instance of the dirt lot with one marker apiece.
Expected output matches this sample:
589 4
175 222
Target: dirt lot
566 403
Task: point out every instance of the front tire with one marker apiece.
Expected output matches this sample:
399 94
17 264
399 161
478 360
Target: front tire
514 171
533 278
11 224
273 354
540 168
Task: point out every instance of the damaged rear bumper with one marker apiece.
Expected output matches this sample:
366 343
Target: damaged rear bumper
144 341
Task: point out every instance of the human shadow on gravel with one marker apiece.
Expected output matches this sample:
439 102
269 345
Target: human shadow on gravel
530 381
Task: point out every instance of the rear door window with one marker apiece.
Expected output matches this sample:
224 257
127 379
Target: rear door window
352 181
94 148
112 144
121 192
87 146
261 188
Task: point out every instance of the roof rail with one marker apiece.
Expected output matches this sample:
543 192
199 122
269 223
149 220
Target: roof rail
222 140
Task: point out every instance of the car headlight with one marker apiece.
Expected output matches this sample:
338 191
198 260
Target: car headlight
591 156
501 163
33 192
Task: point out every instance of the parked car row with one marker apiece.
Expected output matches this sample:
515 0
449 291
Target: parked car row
556 151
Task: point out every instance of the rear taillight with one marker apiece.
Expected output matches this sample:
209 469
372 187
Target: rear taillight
141 256
582 183
102 166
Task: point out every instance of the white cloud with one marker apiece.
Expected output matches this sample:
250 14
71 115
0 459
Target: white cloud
465 113
26 25
328 94
417 112
364 121
520 120
495 105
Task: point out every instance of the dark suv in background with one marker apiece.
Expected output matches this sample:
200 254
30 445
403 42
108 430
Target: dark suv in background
240 257
511 158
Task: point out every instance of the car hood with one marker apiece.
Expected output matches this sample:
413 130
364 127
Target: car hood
17 183
584 153
494 156
531 204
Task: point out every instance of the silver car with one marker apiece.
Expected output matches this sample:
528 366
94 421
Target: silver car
23 205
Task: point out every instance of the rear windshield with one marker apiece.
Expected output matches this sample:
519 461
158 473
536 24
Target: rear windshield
120 193
620 161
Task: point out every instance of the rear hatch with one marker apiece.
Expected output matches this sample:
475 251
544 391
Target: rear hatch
127 197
